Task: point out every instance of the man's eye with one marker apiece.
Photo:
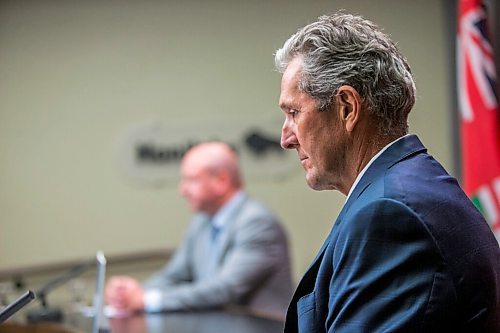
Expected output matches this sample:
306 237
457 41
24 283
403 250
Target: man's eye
293 113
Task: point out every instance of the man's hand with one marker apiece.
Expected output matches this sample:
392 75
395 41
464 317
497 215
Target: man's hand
125 295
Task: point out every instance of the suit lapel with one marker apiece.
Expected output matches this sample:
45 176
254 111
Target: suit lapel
202 246
228 230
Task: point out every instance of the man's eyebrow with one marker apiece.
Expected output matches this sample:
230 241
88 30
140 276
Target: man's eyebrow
286 104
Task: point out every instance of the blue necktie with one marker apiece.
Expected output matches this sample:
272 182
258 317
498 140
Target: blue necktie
215 232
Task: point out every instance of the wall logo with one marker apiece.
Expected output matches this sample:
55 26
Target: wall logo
150 153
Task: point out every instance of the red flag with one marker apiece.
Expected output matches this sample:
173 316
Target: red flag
479 111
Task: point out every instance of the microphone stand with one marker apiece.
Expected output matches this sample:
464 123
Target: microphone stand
46 313
17 305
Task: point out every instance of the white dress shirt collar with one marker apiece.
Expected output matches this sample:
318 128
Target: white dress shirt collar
358 178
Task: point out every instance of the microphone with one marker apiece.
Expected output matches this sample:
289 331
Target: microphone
54 315
17 305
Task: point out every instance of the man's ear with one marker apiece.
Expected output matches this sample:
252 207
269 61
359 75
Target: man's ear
349 106
222 181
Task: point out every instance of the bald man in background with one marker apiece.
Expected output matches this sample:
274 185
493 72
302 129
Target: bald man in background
234 252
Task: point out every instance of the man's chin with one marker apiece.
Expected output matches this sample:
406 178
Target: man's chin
312 182
315 183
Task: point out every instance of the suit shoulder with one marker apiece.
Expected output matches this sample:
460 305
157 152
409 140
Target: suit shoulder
253 209
382 218
254 218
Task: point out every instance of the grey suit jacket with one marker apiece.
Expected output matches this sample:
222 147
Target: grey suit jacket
253 266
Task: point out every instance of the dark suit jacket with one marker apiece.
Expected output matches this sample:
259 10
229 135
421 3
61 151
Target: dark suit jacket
408 253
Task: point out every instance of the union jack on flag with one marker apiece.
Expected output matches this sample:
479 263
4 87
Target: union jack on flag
479 112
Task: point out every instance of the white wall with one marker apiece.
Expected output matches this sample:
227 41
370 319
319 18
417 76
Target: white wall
75 74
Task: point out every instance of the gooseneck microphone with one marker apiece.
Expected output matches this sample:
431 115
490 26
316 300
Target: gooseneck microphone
17 305
46 313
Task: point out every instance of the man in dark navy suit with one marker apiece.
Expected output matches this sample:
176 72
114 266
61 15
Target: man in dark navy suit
408 252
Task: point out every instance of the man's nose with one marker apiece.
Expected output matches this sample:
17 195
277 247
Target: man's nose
288 138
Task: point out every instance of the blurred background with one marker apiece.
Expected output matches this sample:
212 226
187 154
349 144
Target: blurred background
99 99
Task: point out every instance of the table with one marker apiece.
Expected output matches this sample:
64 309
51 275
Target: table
187 322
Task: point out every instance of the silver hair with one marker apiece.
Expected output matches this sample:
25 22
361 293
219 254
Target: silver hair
343 49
